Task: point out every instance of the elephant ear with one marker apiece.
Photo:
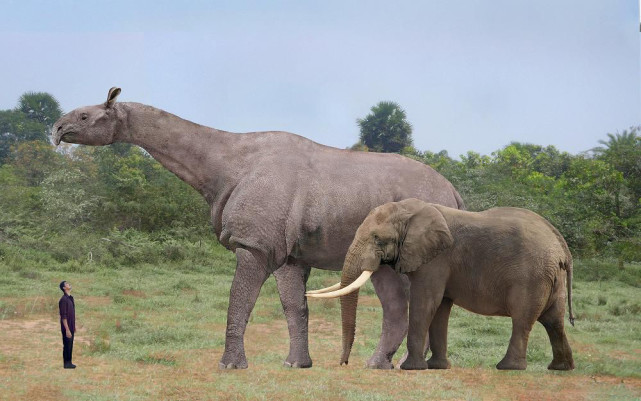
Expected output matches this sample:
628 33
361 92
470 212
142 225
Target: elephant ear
426 235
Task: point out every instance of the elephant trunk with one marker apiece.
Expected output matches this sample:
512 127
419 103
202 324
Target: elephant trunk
352 269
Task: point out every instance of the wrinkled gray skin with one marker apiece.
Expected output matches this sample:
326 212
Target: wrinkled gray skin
500 262
281 202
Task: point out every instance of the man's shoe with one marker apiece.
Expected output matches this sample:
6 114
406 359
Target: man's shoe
69 365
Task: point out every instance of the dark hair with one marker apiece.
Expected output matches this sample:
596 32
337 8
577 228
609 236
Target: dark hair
62 286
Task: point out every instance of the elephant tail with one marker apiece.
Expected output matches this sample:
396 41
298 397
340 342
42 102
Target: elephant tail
568 266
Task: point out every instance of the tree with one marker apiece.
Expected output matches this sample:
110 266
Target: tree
34 160
386 128
15 127
31 120
623 152
360 146
596 192
40 106
66 202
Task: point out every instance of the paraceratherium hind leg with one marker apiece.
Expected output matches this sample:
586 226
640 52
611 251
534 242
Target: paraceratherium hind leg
291 280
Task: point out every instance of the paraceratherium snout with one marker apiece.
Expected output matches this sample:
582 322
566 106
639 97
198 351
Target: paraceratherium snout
58 133
334 291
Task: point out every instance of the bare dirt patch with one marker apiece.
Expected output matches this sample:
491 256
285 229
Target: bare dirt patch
19 333
44 391
135 293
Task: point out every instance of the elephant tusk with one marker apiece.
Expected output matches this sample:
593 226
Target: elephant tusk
328 289
344 291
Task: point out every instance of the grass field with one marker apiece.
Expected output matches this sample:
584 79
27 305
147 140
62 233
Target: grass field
156 332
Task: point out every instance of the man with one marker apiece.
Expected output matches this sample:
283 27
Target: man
67 323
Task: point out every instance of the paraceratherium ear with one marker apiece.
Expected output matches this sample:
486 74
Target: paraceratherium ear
111 97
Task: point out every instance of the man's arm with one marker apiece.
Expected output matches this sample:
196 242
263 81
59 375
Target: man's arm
64 306
64 323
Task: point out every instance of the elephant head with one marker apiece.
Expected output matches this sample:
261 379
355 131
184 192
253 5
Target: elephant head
90 125
405 235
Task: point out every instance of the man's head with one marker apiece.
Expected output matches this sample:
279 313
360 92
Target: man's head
65 287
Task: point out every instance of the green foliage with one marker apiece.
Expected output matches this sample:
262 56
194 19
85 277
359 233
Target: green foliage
15 127
140 193
65 198
34 160
117 205
385 129
587 198
597 270
360 146
622 152
40 107
31 120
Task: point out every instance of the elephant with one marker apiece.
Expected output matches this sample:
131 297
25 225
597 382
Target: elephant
500 262
281 202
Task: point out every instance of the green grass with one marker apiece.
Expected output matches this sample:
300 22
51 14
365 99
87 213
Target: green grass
156 331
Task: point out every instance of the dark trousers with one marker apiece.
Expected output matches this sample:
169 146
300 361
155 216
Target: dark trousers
67 347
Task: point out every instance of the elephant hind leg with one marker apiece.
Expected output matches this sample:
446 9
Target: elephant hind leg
552 320
438 336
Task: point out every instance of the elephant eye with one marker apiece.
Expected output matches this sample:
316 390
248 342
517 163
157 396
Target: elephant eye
84 116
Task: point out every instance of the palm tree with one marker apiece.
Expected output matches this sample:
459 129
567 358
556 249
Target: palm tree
386 128
40 106
623 151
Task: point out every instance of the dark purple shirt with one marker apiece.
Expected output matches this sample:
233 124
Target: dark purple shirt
67 311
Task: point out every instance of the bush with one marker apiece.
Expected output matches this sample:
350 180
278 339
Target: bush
605 270
173 250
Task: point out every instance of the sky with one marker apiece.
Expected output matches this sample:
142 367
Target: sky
470 74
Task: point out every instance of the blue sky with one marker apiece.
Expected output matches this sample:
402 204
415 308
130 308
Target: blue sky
471 75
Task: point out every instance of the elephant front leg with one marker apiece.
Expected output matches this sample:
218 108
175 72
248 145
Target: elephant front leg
291 280
248 279
392 289
425 298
